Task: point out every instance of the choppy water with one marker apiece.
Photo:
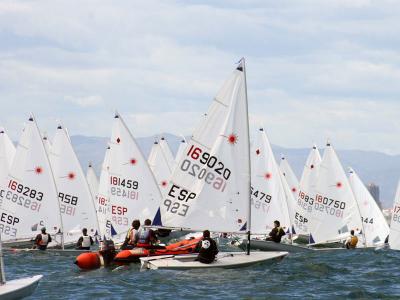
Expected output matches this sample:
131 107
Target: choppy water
367 274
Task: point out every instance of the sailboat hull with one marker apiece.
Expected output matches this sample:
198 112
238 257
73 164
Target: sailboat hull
272 246
223 260
19 288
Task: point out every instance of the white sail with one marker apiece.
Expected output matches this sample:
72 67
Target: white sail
291 178
103 196
166 151
268 197
181 151
335 210
134 193
305 196
93 181
394 236
210 186
29 195
46 143
374 223
7 152
292 190
76 202
158 162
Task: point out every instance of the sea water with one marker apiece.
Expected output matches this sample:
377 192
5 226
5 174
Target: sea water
366 274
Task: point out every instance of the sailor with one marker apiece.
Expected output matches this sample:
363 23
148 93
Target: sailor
42 240
276 233
132 236
85 241
207 249
146 236
352 240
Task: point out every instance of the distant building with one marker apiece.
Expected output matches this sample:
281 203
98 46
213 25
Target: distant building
374 190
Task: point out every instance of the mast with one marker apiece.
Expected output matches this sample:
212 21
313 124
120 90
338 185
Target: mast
2 274
248 135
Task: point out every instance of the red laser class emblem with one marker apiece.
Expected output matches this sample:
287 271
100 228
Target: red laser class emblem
38 170
163 183
268 176
71 175
133 161
339 185
232 138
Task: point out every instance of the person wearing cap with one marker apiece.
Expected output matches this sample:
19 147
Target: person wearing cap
42 240
85 241
207 249
276 233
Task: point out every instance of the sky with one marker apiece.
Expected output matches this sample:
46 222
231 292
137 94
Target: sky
315 69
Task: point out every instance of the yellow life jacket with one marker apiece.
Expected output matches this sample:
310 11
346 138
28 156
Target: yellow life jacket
353 241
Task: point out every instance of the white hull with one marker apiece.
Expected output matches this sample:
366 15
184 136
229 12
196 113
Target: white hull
223 260
19 288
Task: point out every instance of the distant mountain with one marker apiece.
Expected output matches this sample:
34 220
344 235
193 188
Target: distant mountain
376 167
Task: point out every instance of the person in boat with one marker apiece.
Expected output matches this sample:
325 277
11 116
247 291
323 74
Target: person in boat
146 236
276 233
85 241
207 249
42 240
132 236
352 240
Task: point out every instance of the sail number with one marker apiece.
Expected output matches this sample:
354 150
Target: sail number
20 200
396 216
69 200
367 220
24 190
260 199
183 195
327 201
7 224
127 183
210 161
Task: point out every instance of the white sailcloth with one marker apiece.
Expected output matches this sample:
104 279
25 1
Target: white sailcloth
93 181
134 193
29 194
181 151
268 197
7 153
305 196
76 202
160 167
166 150
335 210
394 236
103 196
292 191
374 223
210 187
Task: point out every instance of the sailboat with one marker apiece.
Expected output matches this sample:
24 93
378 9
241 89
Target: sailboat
134 193
76 202
375 227
7 152
17 288
160 166
211 187
334 208
394 235
29 194
271 198
305 195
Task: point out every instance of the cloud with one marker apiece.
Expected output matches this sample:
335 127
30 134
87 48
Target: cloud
315 69
86 101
